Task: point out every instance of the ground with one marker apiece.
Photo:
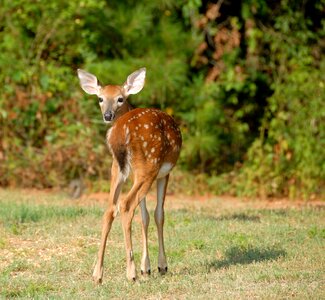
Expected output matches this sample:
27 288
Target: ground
217 248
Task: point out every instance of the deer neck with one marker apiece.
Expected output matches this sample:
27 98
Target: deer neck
123 110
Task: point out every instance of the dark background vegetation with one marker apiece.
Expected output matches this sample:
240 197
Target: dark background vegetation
244 79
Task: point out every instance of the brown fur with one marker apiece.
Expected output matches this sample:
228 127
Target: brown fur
151 136
112 90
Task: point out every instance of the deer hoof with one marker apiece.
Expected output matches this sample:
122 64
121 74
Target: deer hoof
162 271
146 273
98 280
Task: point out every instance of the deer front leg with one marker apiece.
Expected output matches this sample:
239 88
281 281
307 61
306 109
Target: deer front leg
108 218
127 216
159 218
107 223
145 261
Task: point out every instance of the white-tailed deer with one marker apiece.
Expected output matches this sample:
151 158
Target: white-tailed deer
146 142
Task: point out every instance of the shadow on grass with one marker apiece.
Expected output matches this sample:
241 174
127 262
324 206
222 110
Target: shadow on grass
281 212
239 255
249 217
239 217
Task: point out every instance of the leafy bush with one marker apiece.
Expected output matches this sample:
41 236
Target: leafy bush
52 133
290 160
287 159
240 78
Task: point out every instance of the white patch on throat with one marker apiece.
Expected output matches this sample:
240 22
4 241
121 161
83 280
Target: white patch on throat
108 136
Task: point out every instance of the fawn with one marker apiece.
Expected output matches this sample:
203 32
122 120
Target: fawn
142 140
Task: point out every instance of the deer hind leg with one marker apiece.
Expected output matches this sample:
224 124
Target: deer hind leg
127 208
108 218
159 218
145 261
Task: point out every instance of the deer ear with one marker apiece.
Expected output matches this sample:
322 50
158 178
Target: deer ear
88 82
135 82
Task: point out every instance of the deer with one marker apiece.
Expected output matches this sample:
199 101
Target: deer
144 142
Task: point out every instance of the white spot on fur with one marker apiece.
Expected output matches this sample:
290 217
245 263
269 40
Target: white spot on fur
145 144
146 126
153 150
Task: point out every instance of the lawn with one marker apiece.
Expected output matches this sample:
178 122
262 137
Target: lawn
217 248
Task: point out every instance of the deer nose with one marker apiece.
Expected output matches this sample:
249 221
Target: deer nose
108 116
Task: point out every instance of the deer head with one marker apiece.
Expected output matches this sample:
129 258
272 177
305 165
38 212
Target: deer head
112 98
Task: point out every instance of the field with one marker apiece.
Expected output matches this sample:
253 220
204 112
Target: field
217 248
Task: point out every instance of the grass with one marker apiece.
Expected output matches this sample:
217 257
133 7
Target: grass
216 249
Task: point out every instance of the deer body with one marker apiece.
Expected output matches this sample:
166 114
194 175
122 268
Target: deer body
145 138
145 142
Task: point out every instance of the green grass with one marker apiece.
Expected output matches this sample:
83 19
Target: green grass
48 246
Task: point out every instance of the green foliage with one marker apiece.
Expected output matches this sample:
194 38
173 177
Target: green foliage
290 160
287 158
240 78
44 119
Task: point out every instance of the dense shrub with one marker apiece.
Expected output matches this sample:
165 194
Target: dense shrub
288 158
240 77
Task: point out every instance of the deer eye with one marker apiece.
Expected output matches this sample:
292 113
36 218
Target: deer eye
100 100
120 100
